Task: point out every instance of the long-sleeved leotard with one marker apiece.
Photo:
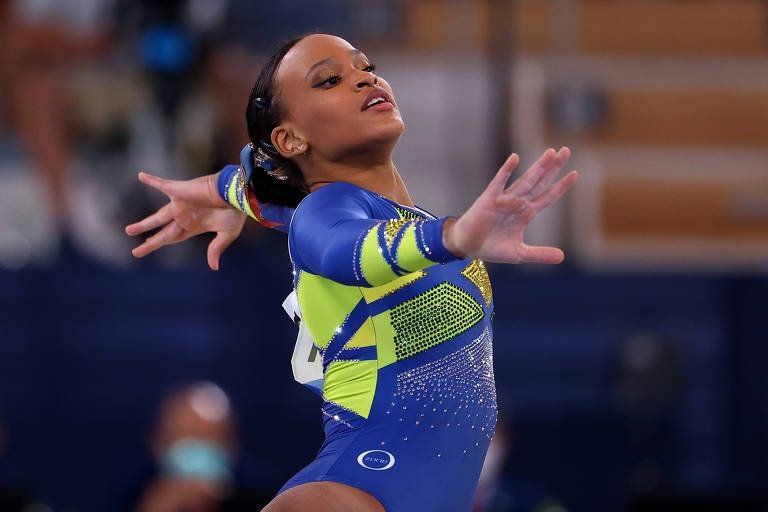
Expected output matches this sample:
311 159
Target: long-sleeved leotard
232 185
404 330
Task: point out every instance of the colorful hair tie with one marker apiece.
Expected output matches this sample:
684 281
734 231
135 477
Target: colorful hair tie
251 156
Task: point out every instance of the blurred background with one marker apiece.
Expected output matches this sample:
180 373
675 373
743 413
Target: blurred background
631 377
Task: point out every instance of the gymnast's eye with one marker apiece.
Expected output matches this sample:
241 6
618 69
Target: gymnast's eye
331 80
335 79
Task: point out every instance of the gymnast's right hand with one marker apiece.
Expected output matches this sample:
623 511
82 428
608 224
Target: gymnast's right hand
493 227
194 207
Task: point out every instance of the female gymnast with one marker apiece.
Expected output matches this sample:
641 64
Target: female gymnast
398 302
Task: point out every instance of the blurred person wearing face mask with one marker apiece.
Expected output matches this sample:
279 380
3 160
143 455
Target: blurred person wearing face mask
195 447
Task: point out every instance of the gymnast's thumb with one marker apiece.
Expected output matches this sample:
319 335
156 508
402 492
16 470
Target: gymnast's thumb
216 248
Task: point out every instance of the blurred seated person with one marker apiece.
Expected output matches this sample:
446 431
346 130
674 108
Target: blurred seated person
40 43
194 447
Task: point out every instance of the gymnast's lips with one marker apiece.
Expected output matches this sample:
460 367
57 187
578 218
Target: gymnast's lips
378 92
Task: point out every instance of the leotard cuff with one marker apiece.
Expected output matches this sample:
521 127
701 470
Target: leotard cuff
232 186
432 239
227 178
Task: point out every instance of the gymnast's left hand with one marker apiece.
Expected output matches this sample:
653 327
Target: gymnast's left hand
492 228
194 207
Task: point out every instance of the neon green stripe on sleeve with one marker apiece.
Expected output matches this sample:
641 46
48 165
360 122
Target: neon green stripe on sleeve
376 270
409 256
232 194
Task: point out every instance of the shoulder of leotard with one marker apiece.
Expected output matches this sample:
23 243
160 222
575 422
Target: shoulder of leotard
323 207
337 195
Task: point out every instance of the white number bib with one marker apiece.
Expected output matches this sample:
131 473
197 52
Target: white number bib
307 364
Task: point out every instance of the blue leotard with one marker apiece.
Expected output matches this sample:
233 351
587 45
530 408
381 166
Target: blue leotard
404 330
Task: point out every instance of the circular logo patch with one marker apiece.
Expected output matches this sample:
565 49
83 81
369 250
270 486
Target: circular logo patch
377 460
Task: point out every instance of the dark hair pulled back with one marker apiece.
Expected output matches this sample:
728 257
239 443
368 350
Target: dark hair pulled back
262 115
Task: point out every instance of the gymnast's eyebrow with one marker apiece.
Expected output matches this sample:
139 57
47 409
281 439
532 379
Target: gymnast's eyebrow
353 51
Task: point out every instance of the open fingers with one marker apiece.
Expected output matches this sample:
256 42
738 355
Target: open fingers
161 217
169 234
528 180
217 246
542 172
549 175
536 254
167 187
554 192
499 181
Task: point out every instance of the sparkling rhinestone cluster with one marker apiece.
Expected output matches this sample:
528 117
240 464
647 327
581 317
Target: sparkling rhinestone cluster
478 274
456 391
433 317
407 214
391 228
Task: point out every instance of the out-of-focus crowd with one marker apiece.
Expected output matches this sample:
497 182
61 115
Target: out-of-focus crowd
194 461
664 97
92 91
195 466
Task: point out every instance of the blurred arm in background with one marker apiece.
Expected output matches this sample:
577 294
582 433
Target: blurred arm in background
39 44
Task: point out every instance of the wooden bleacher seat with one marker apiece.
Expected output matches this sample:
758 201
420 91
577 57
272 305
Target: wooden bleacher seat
694 117
674 27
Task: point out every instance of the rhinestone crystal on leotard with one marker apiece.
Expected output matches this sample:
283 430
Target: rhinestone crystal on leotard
477 273
335 417
391 228
407 214
433 317
455 391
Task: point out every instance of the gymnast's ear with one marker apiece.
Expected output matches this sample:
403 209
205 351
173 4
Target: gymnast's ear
288 141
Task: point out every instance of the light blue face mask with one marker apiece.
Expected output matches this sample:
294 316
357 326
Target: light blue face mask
190 457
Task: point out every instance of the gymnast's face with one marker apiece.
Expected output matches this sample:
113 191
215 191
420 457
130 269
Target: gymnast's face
325 87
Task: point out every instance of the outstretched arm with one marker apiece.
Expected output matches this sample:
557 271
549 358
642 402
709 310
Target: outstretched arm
334 236
215 203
